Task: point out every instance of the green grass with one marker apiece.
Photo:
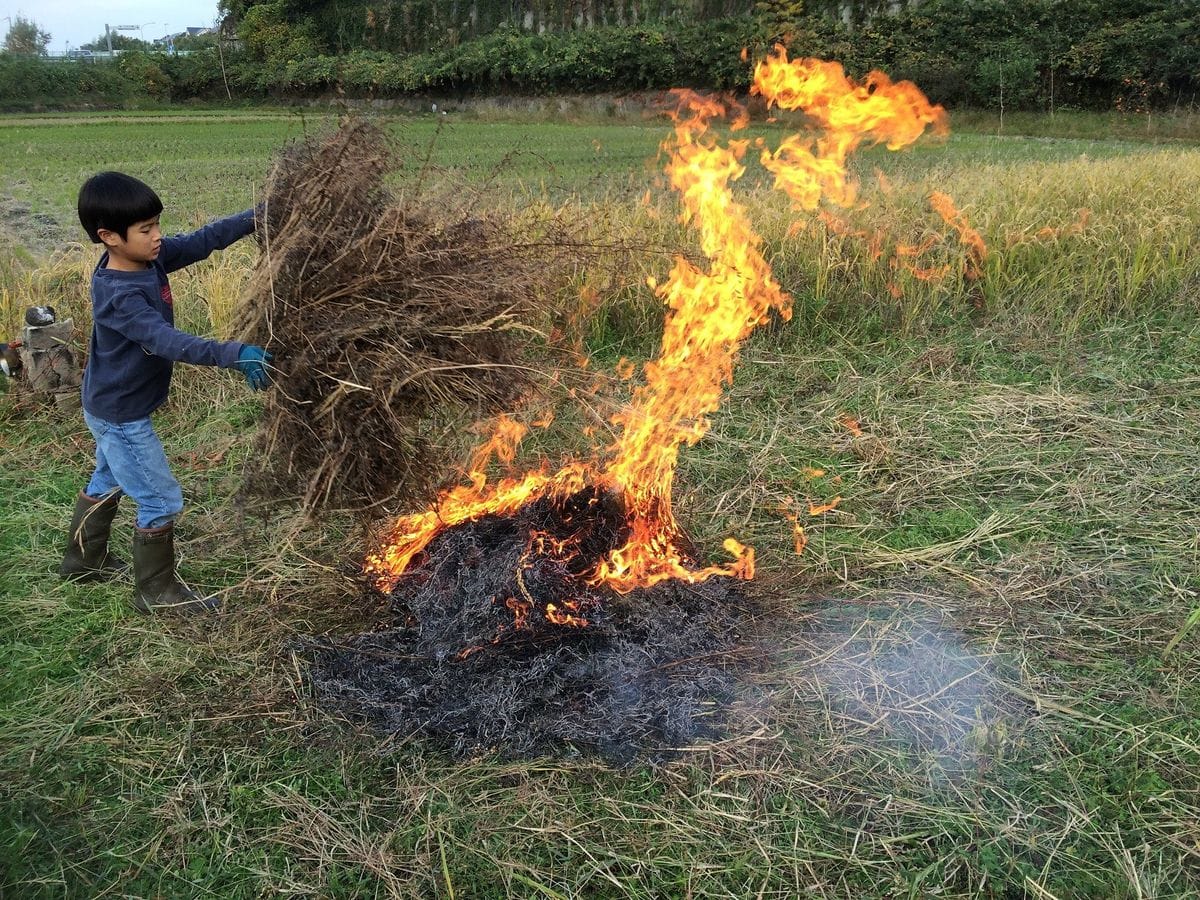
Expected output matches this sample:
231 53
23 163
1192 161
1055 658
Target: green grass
978 680
202 170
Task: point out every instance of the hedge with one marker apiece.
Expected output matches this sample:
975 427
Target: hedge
1025 53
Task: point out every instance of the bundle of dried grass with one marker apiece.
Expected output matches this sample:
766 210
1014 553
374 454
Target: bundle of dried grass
382 310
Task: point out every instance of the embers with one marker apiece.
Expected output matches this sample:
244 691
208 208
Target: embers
501 643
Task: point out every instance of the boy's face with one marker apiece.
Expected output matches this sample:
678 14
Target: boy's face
140 243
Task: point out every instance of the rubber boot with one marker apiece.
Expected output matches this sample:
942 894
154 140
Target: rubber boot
156 589
86 557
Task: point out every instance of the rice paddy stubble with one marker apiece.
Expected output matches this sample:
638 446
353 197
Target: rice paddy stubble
1017 515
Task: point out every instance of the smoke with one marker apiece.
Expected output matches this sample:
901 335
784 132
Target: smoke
902 678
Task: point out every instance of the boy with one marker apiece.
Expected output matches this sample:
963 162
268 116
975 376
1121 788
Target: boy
133 346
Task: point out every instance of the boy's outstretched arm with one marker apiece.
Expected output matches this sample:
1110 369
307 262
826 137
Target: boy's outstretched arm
181 250
132 314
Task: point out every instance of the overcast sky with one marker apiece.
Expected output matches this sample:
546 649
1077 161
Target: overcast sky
79 21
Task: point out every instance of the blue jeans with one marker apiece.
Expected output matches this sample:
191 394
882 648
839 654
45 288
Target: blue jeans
130 458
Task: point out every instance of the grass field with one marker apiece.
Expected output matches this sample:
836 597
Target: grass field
978 680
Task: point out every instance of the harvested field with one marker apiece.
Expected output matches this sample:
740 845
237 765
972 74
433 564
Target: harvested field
978 680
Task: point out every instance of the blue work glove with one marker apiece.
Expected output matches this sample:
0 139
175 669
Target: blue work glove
252 362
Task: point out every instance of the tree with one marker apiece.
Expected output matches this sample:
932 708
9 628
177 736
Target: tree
187 41
119 42
274 31
25 38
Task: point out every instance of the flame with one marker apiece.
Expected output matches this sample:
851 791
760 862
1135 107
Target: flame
970 238
819 509
409 535
520 610
799 538
502 444
711 310
877 111
929 273
568 618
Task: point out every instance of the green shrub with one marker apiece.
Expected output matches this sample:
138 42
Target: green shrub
1028 54
145 73
604 58
195 75
316 73
372 72
1006 76
269 34
27 82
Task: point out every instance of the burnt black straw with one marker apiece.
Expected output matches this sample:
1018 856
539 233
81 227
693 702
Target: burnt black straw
651 672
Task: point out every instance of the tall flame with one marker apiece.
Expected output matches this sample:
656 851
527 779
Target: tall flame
710 311
879 111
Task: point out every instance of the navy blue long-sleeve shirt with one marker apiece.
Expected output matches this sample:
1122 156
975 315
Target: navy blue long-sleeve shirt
134 340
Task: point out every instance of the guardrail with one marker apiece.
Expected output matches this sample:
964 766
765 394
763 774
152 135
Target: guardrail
105 56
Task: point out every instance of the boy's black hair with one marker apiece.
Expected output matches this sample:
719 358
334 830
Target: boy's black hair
114 201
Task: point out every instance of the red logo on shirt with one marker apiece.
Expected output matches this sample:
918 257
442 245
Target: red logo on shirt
166 295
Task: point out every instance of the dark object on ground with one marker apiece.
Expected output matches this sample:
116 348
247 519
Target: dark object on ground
476 662
37 316
382 310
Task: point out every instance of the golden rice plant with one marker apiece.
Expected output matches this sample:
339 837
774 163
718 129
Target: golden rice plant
1071 243
60 281
206 294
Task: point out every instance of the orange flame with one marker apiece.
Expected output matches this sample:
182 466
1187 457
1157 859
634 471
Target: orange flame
709 314
520 610
711 310
799 538
502 444
970 238
878 111
819 509
558 617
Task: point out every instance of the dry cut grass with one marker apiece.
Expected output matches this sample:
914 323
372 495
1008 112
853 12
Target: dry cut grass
977 680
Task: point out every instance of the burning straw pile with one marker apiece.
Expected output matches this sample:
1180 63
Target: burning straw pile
381 311
500 643
568 609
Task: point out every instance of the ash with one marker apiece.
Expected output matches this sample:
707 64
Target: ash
489 650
